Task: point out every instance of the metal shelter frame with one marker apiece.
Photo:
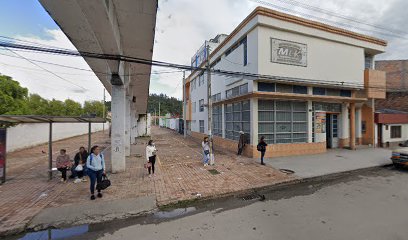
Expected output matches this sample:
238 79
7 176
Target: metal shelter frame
53 119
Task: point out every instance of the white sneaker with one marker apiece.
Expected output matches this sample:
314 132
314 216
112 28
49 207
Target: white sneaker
77 180
205 164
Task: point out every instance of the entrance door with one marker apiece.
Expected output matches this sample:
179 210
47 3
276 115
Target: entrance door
332 138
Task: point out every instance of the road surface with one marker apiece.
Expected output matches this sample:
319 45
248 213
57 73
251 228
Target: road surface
371 205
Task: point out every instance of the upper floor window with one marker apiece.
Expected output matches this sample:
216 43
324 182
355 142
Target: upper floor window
319 91
201 104
368 62
201 79
236 91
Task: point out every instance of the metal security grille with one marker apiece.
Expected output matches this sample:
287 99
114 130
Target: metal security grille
282 121
217 120
237 118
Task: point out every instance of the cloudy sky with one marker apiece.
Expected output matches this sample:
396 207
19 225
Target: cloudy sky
182 27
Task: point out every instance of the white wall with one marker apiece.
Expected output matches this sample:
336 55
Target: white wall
31 134
386 134
326 60
144 125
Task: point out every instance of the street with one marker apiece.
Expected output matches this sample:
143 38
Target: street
370 205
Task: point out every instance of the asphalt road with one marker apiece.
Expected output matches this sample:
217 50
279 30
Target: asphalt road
371 205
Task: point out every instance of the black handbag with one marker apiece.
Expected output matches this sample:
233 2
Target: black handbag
104 184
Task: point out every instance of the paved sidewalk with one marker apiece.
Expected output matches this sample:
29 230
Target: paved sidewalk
334 161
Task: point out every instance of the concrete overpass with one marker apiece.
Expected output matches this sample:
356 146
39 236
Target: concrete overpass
118 27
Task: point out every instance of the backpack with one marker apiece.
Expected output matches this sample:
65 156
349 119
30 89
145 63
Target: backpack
260 147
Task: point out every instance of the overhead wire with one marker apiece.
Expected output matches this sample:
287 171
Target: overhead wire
184 67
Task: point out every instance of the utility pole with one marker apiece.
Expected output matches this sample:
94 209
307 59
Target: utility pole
155 116
184 105
104 117
209 100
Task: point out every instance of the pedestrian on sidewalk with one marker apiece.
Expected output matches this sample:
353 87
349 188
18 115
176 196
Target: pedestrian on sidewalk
262 148
151 157
95 163
241 142
206 151
79 168
63 163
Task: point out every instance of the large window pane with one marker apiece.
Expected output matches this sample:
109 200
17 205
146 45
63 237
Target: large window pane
266 105
281 105
246 116
265 127
265 116
299 127
283 116
299 116
283 127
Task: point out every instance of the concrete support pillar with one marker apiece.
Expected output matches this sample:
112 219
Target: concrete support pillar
344 139
310 121
254 121
133 127
358 127
118 128
352 126
127 127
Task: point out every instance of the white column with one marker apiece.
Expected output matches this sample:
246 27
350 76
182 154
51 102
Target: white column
127 127
358 123
118 129
133 127
310 121
345 129
254 121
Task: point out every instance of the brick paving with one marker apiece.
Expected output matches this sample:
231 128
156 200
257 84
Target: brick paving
180 175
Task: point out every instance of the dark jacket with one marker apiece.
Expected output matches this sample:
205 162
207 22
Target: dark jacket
241 142
78 157
262 144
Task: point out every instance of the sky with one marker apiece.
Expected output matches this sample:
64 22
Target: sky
182 27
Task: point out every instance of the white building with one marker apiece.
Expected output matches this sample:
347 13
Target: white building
312 86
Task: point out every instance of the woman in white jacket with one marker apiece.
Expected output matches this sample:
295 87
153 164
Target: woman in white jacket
151 156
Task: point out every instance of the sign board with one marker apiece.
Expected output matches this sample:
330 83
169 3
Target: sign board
2 155
320 122
287 52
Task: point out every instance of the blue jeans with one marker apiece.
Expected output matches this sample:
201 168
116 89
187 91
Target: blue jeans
95 177
206 158
262 156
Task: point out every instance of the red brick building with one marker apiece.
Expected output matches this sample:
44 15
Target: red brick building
396 83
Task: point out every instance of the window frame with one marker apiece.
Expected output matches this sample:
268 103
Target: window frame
395 131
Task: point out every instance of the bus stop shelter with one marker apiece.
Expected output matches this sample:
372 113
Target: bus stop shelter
16 119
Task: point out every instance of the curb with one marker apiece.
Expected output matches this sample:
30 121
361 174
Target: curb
273 187
189 202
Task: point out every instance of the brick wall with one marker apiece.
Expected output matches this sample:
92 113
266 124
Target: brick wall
275 150
396 74
394 100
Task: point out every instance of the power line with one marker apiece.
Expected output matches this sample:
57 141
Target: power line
52 73
327 21
335 14
185 67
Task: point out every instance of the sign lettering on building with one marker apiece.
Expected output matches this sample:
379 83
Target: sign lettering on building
287 52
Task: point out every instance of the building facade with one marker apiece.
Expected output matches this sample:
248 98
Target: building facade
303 85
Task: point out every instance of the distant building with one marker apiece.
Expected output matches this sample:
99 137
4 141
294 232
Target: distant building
397 84
313 86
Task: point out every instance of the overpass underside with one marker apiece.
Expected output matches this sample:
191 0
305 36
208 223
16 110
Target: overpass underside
114 27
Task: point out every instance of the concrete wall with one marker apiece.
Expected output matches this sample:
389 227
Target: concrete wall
386 134
144 125
27 135
326 60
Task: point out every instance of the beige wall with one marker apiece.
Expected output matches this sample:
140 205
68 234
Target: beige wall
326 60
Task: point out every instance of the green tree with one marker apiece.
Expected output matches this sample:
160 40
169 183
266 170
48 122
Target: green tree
72 108
167 105
56 108
37 105
94 107
13 97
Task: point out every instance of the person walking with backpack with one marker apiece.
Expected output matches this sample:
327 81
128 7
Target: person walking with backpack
262 148
151 157
95 163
